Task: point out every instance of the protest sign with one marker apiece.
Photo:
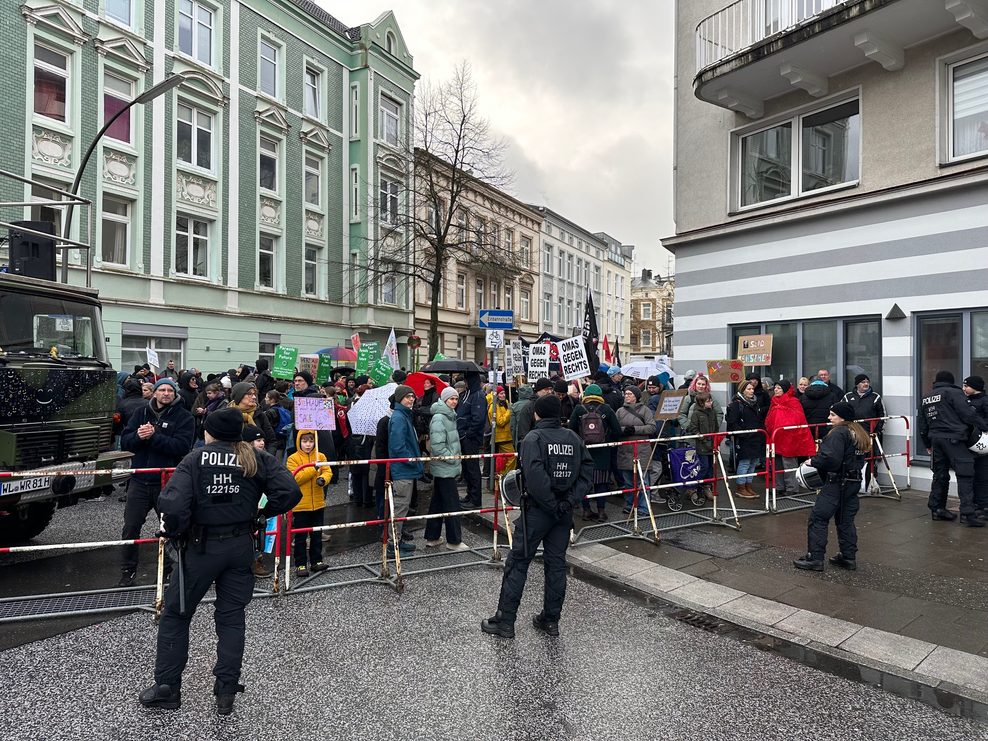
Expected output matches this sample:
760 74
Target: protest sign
355 341
367 355
323 368
391 351
315 413
755 349
669 403
725 371
573 358
517 358
538 362
284 362
152 356
381 372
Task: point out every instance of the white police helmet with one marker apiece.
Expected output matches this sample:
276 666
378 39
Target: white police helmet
511 490
808 477
978 442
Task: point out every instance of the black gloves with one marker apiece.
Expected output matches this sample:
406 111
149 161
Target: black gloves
629 430
320 481
564 507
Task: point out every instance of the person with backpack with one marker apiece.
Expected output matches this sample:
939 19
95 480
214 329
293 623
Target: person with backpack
280 420
637 423
595 422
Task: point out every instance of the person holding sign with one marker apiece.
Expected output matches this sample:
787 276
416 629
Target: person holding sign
310 510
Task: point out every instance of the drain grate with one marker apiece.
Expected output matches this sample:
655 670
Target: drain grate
702 621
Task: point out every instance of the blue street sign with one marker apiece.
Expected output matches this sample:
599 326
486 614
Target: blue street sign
496 319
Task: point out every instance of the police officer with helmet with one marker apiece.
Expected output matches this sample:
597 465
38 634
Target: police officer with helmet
945 422
210 506
558 473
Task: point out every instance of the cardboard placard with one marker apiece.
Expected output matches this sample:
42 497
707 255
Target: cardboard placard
323 368
355 341
152 356
538 362
367 355
669 404
380 374
573 358
755 349
315 413
725 371
284 362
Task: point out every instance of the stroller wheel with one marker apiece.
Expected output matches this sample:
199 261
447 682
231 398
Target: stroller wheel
698 498
674 501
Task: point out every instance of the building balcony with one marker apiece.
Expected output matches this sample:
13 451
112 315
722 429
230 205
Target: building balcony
755 50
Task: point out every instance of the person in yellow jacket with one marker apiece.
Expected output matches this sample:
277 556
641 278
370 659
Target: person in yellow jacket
499 414
310 510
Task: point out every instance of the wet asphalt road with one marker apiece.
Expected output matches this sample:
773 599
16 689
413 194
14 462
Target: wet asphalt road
364 662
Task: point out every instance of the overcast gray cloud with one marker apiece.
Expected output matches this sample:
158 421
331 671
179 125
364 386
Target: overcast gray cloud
581 91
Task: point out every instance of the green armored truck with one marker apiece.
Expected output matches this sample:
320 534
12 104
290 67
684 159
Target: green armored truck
57 403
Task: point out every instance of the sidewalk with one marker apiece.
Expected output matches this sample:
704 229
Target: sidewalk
913 617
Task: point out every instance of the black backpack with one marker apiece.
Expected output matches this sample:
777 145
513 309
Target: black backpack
592 426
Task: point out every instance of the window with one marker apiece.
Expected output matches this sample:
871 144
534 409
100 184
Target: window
267 75
969 108
561 265
267 165
459 346
596 278
547 258
646 310
495 235
479 295
51 81
495 295
389 290
509 298
646 339
827 147
390 116
195 30
116 230
266 345
509 240
191 247
389 201
313 85
354 110
133 349
117 94
310 271
461 291
547 308
313 180
41 190
389 43
119 10
561 314
461 225
354 194
526 305
525 251
194 133
266 246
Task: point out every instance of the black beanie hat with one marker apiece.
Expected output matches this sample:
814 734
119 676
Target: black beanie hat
250 433
636 391
543 383
560 387
975 382
240 390
305 376
225 424
548 407
399 376
944 377
784 385
861 377
842 409
262 365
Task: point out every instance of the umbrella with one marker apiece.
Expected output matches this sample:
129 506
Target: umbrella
640 369
417 382
339 354
367 411
452 365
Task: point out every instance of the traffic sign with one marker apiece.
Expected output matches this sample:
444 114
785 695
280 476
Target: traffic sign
496 319
495 339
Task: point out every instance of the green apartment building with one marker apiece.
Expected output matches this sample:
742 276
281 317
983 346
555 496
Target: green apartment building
236 211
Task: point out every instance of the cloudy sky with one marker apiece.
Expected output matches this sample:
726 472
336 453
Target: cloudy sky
582 92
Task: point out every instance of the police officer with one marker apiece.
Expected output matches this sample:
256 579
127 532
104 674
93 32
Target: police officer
210 503
974 387
839 461
558 472
945 419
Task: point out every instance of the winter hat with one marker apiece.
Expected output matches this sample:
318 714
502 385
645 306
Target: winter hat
460 385
225 424
843 410
448 393
975 382
138 368
399 376
592 390
251 433
240 390
560 387
636 391
166 382
944 377
690 375
444 377
613 371
500 389
653 381
525 392
753 377
261 364
305 376
542 383
548 407
784 385
225 382
402 391
861 377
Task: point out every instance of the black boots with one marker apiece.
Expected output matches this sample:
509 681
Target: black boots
549 627
943 514
972 521
161 696
497 625
844 562
224 701
808 563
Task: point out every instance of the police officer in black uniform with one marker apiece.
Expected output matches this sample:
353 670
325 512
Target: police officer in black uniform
974 387
945 422
210 506
558 473
839 460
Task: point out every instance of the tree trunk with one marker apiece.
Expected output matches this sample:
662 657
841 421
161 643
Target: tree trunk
434 313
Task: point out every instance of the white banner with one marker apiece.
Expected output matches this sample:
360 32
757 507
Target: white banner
538 362
391 351
152 357
573 358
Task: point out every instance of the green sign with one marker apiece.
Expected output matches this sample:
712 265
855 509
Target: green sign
439 356
367 355
285 359
322 371
381 372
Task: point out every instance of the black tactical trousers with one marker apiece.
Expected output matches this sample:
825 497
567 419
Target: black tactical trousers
981 482
227 563
952 454
471 471
142 497
840 503
553 532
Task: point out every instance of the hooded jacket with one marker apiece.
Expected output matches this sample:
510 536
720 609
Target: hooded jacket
313 495
185 391
702 421
687 405
132 400
639 417
499 415
816 401
786 411
525 394
403 443
444 440
174 430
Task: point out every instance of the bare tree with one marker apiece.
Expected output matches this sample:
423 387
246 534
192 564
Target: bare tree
457 164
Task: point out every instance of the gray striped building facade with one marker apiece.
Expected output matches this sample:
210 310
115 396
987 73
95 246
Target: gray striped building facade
882 271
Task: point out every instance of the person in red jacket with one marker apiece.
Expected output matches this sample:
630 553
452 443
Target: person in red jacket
790 445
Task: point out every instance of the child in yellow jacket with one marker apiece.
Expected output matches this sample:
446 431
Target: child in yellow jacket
499 414
310 510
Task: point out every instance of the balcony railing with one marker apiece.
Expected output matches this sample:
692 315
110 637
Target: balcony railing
746 22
